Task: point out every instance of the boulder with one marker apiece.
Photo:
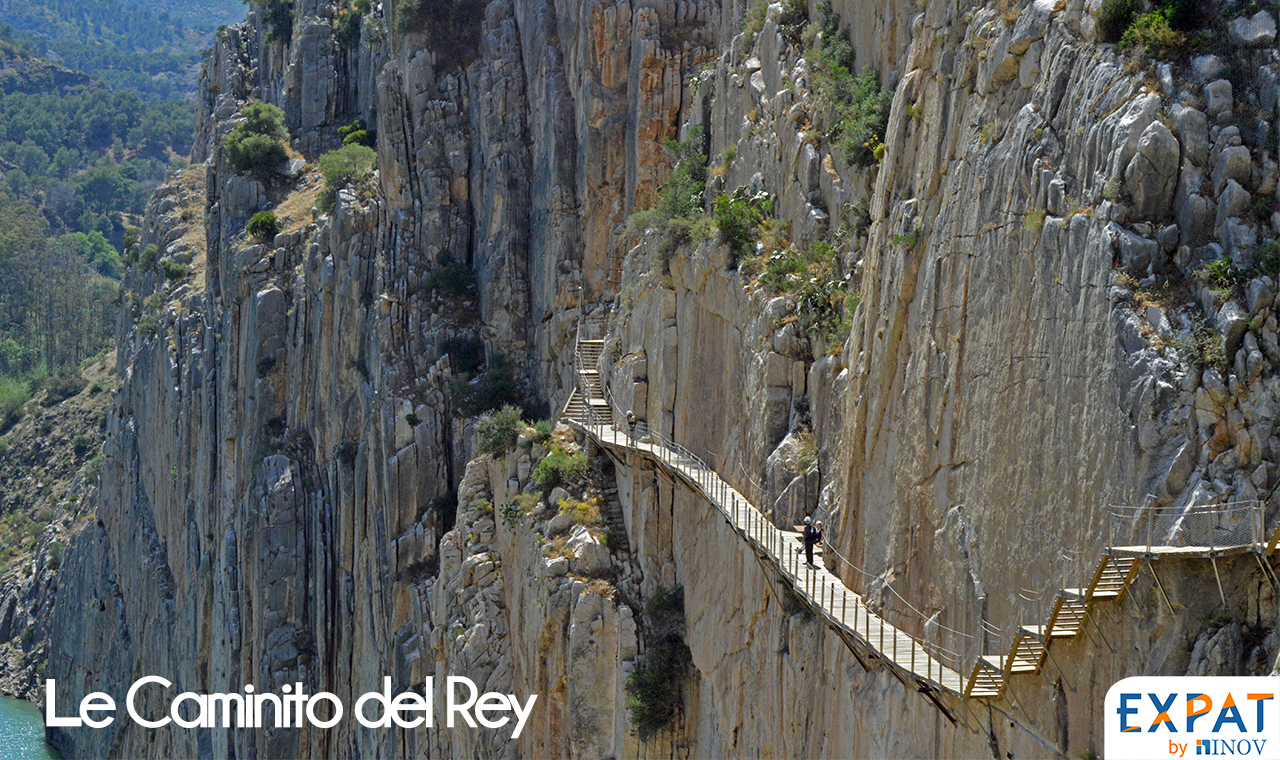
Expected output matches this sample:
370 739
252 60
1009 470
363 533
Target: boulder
1254 31
1180 466
1193 131
1155 315
1217 95
1152 175
1215 387
1195 220
1259 295
1232 322
1234 163
1136 253
1240 240
1234 201
1206 68
559 524
590 557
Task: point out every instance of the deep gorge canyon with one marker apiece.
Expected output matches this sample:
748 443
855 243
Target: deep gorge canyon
1042 287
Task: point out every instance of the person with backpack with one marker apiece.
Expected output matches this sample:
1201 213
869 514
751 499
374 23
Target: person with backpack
811 537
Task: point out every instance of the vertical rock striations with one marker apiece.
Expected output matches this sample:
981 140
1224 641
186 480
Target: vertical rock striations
1045 304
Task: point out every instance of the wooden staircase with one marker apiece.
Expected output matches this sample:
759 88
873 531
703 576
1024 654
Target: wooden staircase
987 680
592 391
589 409
1067 616
575 408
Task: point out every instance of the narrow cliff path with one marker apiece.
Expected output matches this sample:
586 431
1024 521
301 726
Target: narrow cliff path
917 663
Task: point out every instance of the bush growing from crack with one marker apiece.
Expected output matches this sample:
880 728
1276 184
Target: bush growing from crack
263 226
341 167
560 468
678 216
256 144
492 390
738 217
497 431
453 26
655 689
856 107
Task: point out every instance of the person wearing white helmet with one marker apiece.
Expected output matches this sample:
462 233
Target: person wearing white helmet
810 538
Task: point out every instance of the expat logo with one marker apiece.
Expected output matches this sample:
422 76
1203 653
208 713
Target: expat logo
1193 716
293 707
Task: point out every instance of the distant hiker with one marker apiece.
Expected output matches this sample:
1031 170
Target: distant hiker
819 533
631 420
810 538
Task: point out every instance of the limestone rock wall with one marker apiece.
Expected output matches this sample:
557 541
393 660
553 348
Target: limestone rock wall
283 460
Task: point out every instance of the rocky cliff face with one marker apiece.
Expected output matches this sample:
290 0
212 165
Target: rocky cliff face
288 494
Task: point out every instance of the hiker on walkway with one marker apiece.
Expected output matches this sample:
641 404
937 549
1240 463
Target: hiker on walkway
631 421
811 537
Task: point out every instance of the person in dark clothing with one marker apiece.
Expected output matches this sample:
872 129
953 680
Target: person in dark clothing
810 538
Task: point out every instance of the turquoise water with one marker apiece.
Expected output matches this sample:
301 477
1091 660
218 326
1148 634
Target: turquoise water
22 732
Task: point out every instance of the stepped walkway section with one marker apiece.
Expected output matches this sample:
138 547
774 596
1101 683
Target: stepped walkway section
1201 532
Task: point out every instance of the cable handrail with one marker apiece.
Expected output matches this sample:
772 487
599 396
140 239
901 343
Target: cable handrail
829 595
1190 529
892 590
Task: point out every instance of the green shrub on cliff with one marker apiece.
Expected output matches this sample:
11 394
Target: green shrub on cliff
496 432
149 259
678 217
855 106
465 354
263 226
341 167
347 22
174 270
1268 257
278 16
492 390
265 119
560 469
257 144
1167 30
655 689
739 216
1154 34
451 278
812 277
1114 17
358 134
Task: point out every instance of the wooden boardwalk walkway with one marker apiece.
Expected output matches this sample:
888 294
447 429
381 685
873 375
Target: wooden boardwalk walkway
922 665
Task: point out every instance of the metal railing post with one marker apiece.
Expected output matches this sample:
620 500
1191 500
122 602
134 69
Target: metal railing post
1151 519
1259 524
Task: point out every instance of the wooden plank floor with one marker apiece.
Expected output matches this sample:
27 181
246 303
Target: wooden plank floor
823 592
869 635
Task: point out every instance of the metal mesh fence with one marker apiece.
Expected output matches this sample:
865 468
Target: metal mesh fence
1207 527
